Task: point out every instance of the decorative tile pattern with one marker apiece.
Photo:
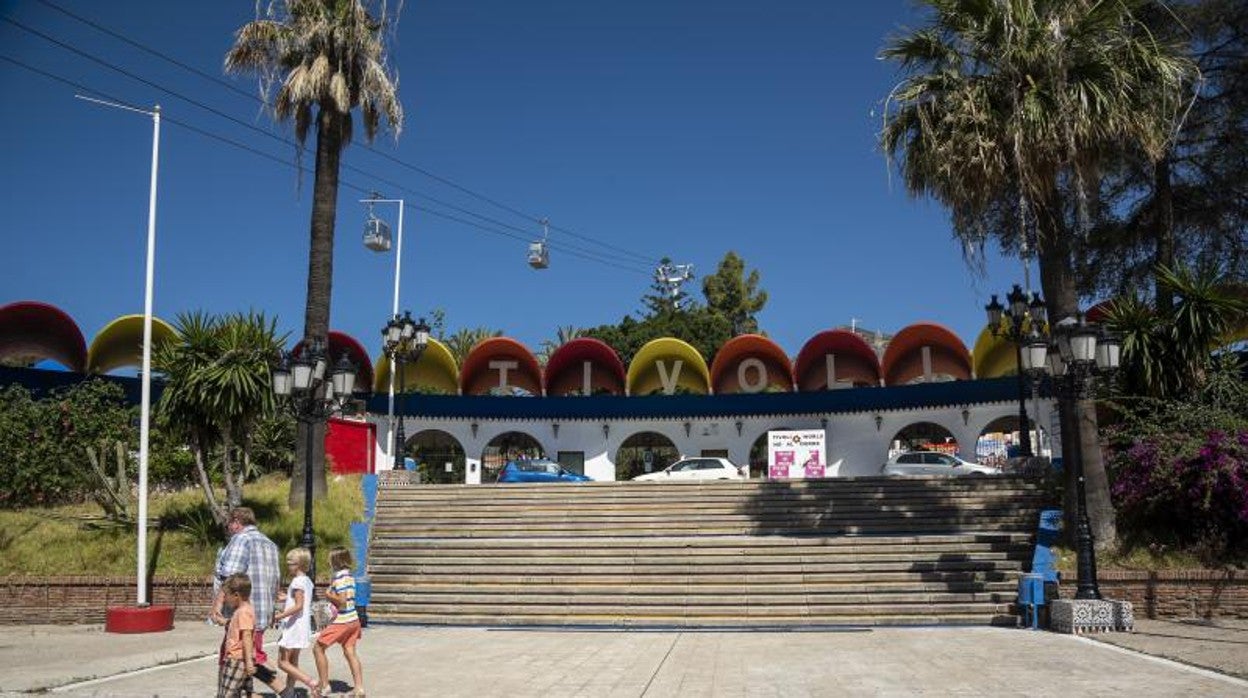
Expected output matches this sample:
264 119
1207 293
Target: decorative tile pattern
1091 615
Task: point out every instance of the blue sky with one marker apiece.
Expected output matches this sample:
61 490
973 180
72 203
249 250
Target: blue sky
666 129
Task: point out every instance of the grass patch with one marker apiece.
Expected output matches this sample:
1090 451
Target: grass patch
1141 559
182 538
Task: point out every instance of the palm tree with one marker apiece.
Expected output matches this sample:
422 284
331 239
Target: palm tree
1007 109
563 335
216 391
1167 350
328 58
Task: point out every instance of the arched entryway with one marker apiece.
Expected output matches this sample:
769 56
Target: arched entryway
923 436
440 458
644 452
510 445
758 453
999 441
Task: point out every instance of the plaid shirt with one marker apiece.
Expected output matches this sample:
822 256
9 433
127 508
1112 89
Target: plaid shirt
253 554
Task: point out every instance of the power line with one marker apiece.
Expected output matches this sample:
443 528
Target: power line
286 163
415 168
592 255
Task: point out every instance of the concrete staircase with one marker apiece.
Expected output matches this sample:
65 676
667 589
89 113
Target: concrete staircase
848 551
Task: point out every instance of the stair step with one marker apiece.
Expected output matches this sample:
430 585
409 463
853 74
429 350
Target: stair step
680 621
853 551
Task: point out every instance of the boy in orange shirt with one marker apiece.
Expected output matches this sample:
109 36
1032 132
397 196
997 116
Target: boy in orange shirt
234 681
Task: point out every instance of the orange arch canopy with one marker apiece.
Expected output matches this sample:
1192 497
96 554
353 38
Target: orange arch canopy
854 361
522 370
341 343
726 371
565 369
903 360
31 331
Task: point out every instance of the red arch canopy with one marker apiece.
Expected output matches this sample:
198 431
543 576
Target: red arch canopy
808 370
31 331
563 369
341 343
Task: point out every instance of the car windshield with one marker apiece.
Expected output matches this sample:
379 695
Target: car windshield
682 465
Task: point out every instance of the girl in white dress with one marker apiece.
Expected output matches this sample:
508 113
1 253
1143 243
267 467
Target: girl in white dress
295 619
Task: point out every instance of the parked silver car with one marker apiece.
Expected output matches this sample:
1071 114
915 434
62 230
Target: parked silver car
934 463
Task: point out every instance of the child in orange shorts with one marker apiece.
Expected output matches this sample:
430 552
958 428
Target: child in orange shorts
345 630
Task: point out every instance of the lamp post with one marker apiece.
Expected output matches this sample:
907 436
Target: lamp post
404 341
300 383
1077 353
1015 322
145 399
377 239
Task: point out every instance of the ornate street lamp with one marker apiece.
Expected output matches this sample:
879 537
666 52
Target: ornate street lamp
1078 354
300 385
404 341
1016 323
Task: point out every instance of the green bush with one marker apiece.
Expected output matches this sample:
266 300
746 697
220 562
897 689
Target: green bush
43 457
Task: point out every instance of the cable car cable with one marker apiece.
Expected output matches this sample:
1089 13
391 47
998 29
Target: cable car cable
367 146
287 163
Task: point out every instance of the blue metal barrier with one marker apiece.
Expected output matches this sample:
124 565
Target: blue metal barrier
1032 592
360 532
1030 599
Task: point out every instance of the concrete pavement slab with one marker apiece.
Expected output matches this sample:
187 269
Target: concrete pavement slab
1221 645
414 661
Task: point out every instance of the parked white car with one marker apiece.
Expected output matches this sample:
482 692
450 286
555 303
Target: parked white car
690 469
934 463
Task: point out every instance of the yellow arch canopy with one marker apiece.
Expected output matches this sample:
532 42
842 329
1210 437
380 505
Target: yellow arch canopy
120 343
993 357
435 371
645 376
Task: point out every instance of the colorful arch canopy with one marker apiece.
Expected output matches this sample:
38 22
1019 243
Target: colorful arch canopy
565 370
994 356
500 363
31 331
853 361
435 371
341 343
904 357
732 371
120 343
671 361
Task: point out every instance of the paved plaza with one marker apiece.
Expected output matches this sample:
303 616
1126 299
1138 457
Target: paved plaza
411 661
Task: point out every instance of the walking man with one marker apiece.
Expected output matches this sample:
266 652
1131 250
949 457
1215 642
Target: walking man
250 552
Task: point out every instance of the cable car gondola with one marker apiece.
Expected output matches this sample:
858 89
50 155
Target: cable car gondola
539 254
376 232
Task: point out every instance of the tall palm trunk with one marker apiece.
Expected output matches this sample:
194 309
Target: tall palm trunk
1163 231
1058 280
330 129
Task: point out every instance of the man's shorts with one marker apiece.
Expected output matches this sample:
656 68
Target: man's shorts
345 634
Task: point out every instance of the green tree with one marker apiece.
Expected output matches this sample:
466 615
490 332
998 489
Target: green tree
1188 207
1005 115
327 59
734 295
217 391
